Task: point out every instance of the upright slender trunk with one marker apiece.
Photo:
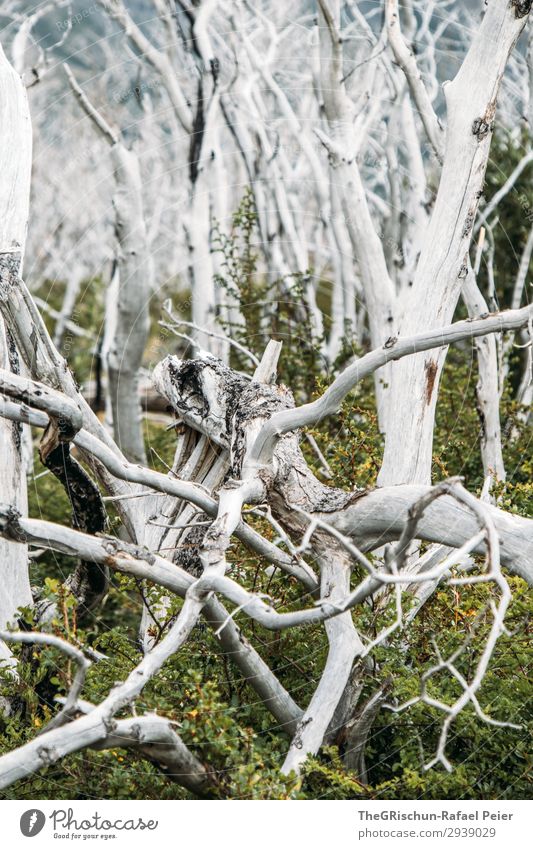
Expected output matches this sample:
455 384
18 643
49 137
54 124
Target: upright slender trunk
347 187
15 171
134 271
15 591
443 264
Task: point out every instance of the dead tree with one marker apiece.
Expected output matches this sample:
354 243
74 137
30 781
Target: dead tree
238 448
132 286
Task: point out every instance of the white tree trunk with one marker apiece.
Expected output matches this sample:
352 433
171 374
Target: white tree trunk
135 287
487 388
346 184
15 591
127 330
15 171
442 268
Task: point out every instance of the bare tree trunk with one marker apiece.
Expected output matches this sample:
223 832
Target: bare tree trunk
349 192
443 264
344 646
487 389
15 590
15 170
133 287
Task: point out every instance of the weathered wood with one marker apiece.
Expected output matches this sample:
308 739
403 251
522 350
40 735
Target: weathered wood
15 172
471 108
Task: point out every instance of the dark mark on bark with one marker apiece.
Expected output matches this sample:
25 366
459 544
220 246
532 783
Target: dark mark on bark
469 223
521 8
481 128
10 524
187 555
482 420
205 392
197 136
298 742
14 364
48 755
353 737
9 271
431 374
119 548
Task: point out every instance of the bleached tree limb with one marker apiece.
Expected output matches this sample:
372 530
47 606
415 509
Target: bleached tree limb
63 320
373 518
72 652
87 584
493 573
377 518
444 522
158 59
45 364
523 268
88 730
124 471
94 728
15 164
357 730
41 397
141 563
407 62
395 348
156 739
110 135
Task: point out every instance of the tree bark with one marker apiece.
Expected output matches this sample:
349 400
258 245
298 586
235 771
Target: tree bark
15 171
443 264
